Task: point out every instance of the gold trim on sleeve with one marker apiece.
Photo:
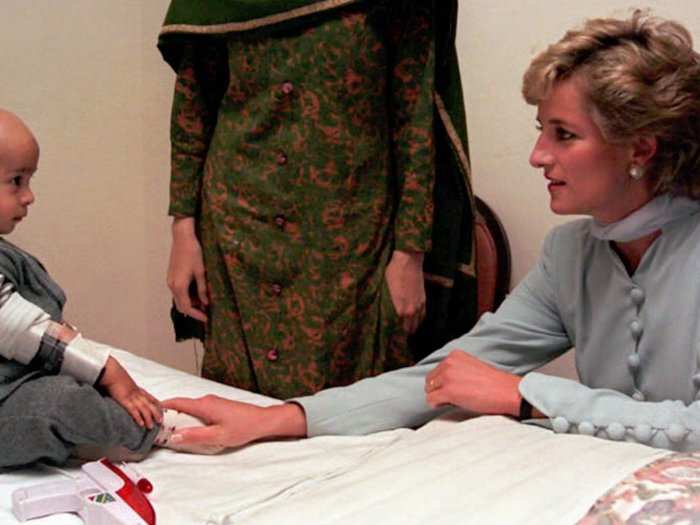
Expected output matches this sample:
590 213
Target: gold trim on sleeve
445 282
467 269
465 166
455 141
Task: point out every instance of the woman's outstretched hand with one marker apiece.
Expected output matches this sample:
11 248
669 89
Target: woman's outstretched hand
233 423
465 381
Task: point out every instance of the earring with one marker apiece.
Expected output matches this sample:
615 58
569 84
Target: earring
636 172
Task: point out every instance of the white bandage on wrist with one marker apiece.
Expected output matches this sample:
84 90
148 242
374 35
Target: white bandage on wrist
22 325
84 360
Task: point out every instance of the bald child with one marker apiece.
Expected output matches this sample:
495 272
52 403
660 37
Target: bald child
60 395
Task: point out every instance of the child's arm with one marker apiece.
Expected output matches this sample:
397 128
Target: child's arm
29 336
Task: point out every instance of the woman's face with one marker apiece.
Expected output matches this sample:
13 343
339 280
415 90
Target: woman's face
586 175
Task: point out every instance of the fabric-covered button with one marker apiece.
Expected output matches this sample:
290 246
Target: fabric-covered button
675 432
280 221
287 88
273 355
660 440
696 380
560 425
642 432
586 428
637 296
282 158
615 431
633 361
636 329
638 396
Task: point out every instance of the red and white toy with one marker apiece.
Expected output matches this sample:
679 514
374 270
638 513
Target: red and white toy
103 494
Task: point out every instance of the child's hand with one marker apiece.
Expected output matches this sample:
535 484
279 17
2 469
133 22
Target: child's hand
142 406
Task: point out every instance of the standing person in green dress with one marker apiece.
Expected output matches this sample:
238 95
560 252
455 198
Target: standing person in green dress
318 154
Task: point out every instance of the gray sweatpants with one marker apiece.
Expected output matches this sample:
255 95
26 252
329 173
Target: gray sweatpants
47 417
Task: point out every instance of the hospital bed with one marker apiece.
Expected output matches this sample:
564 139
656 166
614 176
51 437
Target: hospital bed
486 470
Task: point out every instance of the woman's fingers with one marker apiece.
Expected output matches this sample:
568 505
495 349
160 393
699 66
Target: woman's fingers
191 406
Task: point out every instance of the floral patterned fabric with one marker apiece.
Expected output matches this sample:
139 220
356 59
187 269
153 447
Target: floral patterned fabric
665 492
307 155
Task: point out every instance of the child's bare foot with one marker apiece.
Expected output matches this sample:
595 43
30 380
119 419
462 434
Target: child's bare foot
173 421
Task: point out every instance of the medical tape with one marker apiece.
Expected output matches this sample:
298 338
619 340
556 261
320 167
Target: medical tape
22 325
84 360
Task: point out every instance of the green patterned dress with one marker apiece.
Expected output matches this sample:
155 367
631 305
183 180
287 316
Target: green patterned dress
306 153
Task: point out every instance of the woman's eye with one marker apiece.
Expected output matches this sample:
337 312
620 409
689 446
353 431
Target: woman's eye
17 181
563 134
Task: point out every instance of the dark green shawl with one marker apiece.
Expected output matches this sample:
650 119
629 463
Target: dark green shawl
210 12
186 18
449 266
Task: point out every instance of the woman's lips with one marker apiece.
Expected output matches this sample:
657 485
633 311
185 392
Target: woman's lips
552 183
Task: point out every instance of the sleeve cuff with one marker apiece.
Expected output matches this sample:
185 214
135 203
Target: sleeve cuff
186 208
528 390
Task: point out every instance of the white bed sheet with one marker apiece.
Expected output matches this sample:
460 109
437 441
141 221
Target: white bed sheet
484 470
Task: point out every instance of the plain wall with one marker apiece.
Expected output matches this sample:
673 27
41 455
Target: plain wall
87 78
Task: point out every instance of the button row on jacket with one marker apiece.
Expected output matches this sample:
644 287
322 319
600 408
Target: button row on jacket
287 88
617 431
633 360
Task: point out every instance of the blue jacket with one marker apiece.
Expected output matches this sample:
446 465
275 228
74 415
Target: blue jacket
637 341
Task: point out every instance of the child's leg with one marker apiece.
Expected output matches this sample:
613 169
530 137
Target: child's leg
48 418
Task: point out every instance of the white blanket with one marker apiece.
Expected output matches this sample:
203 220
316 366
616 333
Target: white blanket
488 470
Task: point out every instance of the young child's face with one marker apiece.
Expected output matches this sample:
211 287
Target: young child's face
18 162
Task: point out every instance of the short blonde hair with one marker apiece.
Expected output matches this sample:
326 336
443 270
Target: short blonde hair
640 75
